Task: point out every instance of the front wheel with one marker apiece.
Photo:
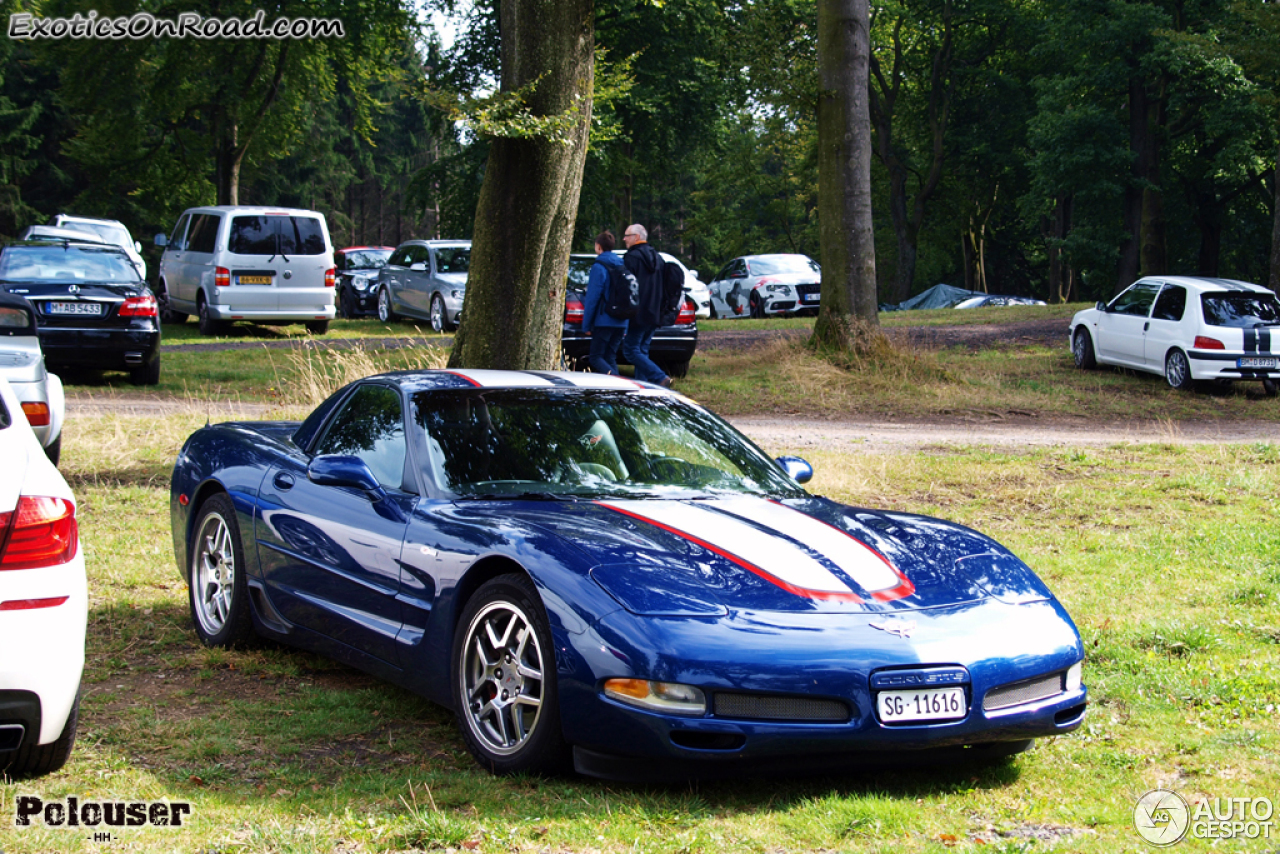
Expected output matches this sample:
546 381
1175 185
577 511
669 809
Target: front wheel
385 312
1082 350
219 596
1177 370
757 306
439 320
504 680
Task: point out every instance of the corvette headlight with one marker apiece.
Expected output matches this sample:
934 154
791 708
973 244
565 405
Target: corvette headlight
669 697
1075 675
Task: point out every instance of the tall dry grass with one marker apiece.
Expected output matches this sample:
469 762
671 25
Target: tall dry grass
312 373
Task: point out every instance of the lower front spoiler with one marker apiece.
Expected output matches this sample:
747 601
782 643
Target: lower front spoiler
608 766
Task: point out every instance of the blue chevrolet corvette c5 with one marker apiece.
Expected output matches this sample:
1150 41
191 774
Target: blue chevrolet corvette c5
595 570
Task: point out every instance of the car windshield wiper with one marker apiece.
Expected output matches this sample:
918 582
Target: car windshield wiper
517 496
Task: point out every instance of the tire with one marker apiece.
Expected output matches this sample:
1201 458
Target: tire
54 450
510 718
385 312
439 319
36 760
167 314
1082 350
1268 388
1177 370
209 325
679 370
757 307
317 327
715 315
218 594
148 373
344 311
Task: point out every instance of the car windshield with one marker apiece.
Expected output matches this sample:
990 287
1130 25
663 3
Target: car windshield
367 259
773 265
66 264
1240 310
115 234
580 272
594 444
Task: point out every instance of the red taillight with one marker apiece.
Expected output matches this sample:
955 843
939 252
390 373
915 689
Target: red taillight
41 532
32 604
143 306
687 313
330 277
221 277
573 311
37 414
1203 342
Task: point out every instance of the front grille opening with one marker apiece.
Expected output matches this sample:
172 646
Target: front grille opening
768 707
1017 693
708 740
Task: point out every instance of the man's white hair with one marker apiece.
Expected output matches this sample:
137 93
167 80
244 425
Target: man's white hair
639 231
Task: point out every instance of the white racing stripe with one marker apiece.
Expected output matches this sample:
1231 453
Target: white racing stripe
783 560
865 567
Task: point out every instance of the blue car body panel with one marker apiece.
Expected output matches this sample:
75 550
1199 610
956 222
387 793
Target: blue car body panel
379 583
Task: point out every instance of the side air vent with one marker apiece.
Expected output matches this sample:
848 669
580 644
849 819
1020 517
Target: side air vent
1017 693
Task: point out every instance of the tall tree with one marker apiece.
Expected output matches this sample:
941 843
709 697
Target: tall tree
529 200
844 174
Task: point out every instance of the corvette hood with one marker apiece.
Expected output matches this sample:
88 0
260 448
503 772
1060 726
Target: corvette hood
704 556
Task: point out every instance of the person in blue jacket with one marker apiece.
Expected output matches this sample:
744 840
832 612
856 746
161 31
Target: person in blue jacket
606 332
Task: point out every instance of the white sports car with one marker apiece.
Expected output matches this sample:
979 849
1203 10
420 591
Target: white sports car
1186 329
43 603
766 286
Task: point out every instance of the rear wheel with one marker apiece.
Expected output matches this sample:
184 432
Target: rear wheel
1269 388
219 596
1082 350
209 325
678 370
1177 370
148 373
54 450
504 680
385 312
36 760
317 327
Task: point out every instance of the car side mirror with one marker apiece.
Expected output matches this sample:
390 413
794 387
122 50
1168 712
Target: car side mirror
796 468
1101 306
161 240
347 471
420 267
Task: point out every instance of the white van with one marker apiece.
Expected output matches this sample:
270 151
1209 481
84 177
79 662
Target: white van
266 265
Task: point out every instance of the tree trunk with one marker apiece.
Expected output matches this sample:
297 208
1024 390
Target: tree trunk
226 159
1154 254
1274 281
529 199
848 252
1131 249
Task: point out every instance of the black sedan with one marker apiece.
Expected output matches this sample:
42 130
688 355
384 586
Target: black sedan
672 346
92 309
358 268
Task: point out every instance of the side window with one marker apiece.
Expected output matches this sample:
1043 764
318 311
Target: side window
400 258
453 260
177 240
723 274
370 427
1171 303
203 233
738 269
1136 300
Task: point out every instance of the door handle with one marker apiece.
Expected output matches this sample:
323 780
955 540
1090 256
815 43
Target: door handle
283 481
1146 326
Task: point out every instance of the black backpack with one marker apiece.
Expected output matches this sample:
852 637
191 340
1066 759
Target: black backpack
621 293
672 292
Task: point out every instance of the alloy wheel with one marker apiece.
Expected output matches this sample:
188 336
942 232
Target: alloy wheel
502 677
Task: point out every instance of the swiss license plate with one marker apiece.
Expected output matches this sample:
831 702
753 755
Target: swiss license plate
925 704
253 280
1257 362
91 309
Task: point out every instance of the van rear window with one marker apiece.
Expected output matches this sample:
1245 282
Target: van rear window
276 235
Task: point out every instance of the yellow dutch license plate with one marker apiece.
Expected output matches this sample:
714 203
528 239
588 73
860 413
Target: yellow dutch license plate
253 280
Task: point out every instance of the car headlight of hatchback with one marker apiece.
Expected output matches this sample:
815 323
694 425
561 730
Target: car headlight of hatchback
360 283
778 289
457 294
670 697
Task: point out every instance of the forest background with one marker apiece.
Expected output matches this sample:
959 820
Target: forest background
1046 149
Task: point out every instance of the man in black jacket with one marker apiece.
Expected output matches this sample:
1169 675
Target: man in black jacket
646 265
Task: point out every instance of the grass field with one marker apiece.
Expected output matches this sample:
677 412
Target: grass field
1168 557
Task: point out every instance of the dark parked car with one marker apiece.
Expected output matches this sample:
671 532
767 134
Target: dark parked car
92 308
590 569
358 268
672 346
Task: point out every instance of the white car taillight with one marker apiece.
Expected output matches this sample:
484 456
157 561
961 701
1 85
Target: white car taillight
41 531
